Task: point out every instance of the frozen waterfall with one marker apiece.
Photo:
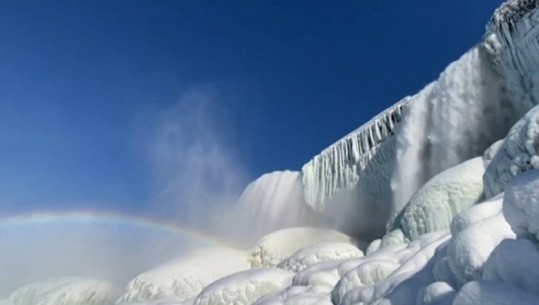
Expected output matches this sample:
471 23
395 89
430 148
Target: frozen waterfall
451 120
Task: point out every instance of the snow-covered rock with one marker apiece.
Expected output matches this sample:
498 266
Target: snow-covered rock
521 204
273 248
437 293
185 277
435 204
493 293
66 291
518 153
274 201
318 253
470 248
245 287
514 262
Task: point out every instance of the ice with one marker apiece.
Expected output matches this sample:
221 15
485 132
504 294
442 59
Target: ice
470 249
493 293
66 291
511 40
437 202
318 253
514 262
186 276
437 293
352 176
521 204
273 248
274 201
518 153
245 287
452 120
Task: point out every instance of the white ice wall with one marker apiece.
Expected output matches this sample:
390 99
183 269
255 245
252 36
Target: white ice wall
451 120
355 169
512 39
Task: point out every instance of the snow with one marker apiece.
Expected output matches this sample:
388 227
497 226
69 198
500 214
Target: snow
493 293
65 291
421 165
318 253
186 276
518 153
514 262
511 41
245 287
469 249
274 201
435 204
521 204
273 248
437 293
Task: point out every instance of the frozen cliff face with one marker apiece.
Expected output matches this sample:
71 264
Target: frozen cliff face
274 201
348 182
512 42
453 119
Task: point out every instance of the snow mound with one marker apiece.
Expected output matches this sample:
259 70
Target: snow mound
514 262
518 153
400 286
521 204
274 201
66 291
185 277
275 247
245 287
492 293
437 293
296 295
161 301
325 275
477 213
469 249
318 253
434 205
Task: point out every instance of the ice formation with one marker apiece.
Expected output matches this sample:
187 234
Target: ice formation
519 152
65 291
350 179
437 202
425 157
318 253
184 277
452 120
273 248
245 287
511 40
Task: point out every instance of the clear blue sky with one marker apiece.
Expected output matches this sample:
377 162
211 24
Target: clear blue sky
80 80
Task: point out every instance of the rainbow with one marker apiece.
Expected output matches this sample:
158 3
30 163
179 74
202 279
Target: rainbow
102 218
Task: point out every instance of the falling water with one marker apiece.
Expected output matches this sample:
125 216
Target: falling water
451 120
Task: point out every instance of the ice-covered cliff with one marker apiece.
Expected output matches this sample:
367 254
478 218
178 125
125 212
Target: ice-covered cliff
512 40
356 169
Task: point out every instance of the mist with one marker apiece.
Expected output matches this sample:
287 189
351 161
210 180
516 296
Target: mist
196 177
